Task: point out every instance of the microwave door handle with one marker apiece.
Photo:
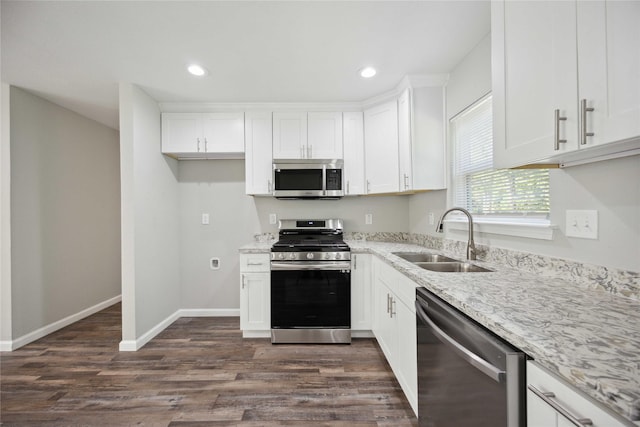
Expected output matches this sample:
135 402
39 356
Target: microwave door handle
473 359
324 180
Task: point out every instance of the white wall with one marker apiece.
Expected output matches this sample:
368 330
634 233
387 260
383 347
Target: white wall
150 219
65 201
610 187
217 187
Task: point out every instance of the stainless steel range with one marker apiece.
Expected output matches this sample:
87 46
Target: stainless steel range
311 283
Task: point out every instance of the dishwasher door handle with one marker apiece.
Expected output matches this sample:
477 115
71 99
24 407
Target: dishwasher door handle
476 361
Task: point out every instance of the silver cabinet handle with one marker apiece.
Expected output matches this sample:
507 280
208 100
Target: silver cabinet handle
497 374
548 398
310 151
406 185
198 139
393 310
355 262
347 187
368 186
269 186
243 284
583 122
388 304
255 263
205 145
556 131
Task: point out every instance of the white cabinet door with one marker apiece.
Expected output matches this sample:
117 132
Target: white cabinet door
353 170
361 292
407 357
258 156
255 301
289 135
609 70
381 148
383 323
404 141
182 133
534 74
324 135
223 132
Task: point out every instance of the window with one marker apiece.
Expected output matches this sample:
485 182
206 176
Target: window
483 191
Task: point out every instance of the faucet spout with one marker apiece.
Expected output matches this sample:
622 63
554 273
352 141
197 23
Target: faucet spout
471 247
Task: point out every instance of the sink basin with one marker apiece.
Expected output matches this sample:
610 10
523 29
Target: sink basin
452 267
423 257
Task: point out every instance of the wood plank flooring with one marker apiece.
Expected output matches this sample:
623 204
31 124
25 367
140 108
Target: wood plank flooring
198 372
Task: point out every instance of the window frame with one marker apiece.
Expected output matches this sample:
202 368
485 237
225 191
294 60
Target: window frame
535 226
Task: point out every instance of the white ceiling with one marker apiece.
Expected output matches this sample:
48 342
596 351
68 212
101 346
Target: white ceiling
74 53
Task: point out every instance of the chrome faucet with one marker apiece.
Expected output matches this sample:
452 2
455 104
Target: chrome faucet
471 247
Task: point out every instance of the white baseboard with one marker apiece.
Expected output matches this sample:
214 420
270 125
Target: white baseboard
135 345
256 334
209 312
362 334
46 330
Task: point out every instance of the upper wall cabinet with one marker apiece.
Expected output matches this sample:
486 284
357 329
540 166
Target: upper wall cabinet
353 131
421 143
301 135
565 79
203 135
381 148
258 163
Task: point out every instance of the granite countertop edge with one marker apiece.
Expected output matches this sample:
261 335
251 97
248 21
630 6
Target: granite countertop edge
585 336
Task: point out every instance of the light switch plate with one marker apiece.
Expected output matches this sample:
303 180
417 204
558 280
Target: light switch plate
582 224
205 219
273 219
368 219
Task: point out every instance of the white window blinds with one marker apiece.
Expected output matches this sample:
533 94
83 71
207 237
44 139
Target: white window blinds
477 186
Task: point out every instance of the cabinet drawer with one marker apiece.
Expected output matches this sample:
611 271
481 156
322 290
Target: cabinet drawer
566 397
255 263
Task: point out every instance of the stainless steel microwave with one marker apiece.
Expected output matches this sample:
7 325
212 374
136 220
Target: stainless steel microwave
307 179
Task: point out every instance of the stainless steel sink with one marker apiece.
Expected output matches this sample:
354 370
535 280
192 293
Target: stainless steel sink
452 267
417 257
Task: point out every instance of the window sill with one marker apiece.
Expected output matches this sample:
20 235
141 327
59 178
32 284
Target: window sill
542 230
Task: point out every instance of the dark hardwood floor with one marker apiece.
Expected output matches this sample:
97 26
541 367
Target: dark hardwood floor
199 371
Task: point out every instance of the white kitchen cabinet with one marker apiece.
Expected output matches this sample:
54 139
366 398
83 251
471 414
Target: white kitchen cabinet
353 170
361 292
547 57
421 139
302 135
258 153
609 70
324 135
203 135
567 401
255 295
289 135
381 148
534 76
394 325
404 141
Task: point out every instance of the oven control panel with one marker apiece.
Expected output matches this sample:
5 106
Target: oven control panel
311 256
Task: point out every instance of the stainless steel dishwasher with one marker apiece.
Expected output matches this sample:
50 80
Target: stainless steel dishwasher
466 375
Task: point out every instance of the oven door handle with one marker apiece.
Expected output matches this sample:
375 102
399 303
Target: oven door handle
473 359
306 265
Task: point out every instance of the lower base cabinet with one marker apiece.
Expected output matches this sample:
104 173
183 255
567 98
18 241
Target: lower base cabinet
394 325
552 403
255 295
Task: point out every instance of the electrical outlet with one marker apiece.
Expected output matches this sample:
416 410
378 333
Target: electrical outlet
368 219
582 224
432 219
205 219
273 219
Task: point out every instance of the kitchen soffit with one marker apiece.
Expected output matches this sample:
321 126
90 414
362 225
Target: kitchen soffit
75 53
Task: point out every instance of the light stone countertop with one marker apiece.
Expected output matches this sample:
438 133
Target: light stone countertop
588 337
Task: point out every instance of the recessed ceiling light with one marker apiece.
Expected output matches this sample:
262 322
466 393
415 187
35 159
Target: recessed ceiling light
196 70
368 72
